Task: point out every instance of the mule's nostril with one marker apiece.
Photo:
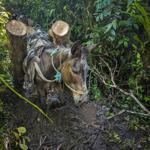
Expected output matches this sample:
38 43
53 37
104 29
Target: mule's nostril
80 101
77 100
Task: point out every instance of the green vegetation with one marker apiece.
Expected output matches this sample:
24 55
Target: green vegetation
4 57
122 27
4 67
20 139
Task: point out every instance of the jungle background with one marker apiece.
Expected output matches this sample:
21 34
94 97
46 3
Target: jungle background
119 76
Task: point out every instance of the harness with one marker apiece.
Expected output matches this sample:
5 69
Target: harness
40 39
58 75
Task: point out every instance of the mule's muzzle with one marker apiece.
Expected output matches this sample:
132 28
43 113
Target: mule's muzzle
80 98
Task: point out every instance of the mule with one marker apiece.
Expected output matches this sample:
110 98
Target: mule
46 63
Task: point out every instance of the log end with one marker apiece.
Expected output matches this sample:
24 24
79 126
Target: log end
16 28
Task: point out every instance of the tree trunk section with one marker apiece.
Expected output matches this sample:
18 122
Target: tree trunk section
17 31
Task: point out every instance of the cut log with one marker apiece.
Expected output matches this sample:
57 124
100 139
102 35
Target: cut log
16 32
60 32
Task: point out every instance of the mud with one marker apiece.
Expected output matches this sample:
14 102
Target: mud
83 127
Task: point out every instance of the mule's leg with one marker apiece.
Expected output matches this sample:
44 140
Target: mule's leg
42 94
48 95
53 97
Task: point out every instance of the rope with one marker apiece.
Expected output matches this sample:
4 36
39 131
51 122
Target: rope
50 81
58 75
37 68
73 90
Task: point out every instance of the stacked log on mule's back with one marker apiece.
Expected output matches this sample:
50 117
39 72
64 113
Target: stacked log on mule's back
60 32
17 32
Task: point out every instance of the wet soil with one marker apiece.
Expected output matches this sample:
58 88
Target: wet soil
83 127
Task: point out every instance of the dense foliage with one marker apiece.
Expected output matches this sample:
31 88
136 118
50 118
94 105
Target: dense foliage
121 27
4 58
4 65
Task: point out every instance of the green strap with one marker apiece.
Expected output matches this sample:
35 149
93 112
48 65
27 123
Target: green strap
58 75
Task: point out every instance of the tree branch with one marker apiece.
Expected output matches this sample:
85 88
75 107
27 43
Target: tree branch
114 85
128 111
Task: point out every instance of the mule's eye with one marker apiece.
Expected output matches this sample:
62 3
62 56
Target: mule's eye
76 67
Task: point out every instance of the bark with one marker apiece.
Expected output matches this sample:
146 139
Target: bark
16 32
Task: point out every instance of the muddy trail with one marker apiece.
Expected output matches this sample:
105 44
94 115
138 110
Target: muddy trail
85 127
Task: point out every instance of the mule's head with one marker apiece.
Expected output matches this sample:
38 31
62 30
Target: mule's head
74 72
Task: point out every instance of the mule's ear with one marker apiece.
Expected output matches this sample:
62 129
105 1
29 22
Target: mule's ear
76 49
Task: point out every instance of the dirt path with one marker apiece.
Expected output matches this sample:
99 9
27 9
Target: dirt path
74 128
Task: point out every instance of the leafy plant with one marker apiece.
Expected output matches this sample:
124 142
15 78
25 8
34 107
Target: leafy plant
4 58
20 139
96 91
137 11
121 21
4 67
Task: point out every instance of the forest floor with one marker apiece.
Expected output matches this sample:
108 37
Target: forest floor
85 127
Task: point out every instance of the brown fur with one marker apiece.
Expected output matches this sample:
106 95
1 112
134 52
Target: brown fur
64 62
67 74
72 79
